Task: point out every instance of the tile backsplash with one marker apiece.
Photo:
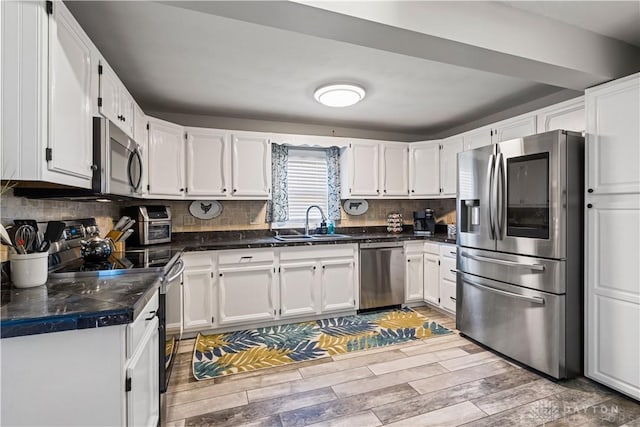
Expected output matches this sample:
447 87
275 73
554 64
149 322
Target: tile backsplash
236 214
43 210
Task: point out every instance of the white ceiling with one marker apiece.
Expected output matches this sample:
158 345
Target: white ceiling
616 19
176 59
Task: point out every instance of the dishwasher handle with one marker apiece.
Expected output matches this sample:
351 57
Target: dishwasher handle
382 245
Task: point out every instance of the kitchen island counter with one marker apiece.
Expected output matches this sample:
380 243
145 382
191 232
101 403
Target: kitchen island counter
79 303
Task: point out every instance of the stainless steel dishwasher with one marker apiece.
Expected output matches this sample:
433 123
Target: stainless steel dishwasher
381 274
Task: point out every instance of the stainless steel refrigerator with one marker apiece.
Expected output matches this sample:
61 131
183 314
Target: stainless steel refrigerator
520 251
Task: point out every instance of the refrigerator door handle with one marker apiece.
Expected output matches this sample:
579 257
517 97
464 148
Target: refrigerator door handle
536 267
500 196
490 178
535 300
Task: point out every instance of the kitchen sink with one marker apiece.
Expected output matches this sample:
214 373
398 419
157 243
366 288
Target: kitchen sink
308 238
293 238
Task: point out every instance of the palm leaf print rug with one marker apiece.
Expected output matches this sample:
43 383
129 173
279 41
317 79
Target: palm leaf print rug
248 350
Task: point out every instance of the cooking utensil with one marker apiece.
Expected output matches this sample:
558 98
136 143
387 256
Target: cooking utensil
25 237
128 225
5 237
121 222
54 231
125 235
43 246
114 235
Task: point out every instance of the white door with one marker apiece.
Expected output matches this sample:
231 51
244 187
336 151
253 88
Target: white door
365 180
515 129
431 279
612 340
166 159
251 166
424 166
449 165
338 285
478 138
127 106
197 293
613 135
413 277
139 126
568 115
206 162
395 170
109 94
246 294
143 405
299 288
70 119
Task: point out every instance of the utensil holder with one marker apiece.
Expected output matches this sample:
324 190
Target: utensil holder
29 270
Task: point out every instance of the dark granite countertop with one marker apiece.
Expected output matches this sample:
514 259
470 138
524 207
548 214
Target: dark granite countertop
82 303
208 241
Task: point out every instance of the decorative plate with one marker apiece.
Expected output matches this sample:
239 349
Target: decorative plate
205 209
355 206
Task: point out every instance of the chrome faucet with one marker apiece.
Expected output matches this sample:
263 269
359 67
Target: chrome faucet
306 218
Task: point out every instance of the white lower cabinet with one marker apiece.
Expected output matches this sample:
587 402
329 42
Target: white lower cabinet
337 284
105 376
447 271
414 272
246 293
298 288
198 291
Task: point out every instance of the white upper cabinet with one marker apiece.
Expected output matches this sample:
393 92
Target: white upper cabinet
424 168
46 95
115 102
251 165
613 137
362 170
394 170
166 159
449 165
477 138
374 169
70 119
207 164
568 115
515 128
140 126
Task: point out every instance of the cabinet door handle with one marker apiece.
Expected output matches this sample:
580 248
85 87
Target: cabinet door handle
153 314
590 190
452 299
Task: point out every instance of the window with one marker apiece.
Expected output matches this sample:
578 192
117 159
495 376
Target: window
307 182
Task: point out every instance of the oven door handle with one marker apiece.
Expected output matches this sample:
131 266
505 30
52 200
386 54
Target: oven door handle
179 265
535 300
537 267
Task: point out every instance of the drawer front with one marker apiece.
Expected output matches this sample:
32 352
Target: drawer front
414 247
448 295
135 330
324 251
198 259
448 268
432 248
245 256
448 250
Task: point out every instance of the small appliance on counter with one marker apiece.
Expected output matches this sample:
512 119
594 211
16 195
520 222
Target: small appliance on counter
424 224
153 224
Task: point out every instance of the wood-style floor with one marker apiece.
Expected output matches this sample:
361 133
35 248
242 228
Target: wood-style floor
444 381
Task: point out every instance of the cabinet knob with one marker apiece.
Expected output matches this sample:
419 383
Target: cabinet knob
224 190
220 274
314 267
408 260
94 167
124 119
590 190
589 205
385 191
413 191
235 190
378 191
182 189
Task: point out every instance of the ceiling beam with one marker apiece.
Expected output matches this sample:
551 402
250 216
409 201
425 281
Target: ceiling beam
484 36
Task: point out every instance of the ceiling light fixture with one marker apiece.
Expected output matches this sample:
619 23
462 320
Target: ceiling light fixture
339 95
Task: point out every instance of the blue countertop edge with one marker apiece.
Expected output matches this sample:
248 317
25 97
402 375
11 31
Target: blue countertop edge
74 321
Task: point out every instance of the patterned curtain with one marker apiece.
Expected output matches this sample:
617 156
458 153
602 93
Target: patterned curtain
278 206
333 181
